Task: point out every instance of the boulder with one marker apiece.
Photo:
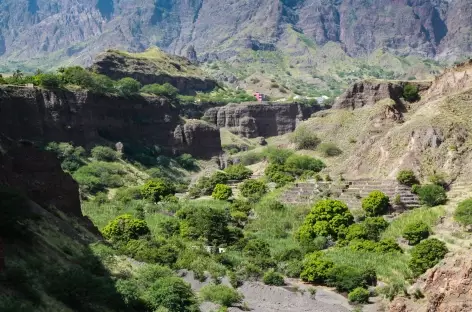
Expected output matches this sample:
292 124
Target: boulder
197 137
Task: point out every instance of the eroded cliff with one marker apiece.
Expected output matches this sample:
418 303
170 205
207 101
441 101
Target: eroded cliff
87 119
255 120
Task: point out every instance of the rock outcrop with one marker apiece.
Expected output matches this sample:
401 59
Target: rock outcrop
154 66
369 92
197 137
454 79
39 175
258 120
447 288
87 119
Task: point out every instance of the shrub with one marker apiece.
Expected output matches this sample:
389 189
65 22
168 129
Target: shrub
410 93
128 86
415 232
171 293
273 278
157 189
187 162
127 194
104 153
375 204
327 218
238 172
49 80
407 177
253 189
304 138
299 164
161 90
206 185
221 294
97 176
281 178
347 278
125 228
278 155
359 295
426 254
374 227
222 192
432 195
463 213
388 245
316 268
438 179
329 149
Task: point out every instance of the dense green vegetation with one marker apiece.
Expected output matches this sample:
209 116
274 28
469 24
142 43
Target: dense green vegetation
463 213
246 235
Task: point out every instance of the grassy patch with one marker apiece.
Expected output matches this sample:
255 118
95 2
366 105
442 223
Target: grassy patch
429 216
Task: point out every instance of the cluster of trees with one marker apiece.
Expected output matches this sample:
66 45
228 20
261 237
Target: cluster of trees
305 138
285 166
432 194
101 84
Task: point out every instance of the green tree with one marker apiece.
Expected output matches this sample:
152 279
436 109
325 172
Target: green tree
157 189
463 213
271 277
374 227
375 204
187 162
206 220
253 189
304 138
426 254
432 195
221 294
222 192
51 81
415 232
328 218
166 89
359 295
298 164
347 278
128 86
125 228
407 177
104 153
316 268
171 293
238 172
410 93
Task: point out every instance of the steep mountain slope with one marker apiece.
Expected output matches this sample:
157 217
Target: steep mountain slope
380 133
309 39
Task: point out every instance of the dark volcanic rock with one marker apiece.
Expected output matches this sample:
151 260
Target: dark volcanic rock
177 71
255 120
39 175
367 93
87 119
197 137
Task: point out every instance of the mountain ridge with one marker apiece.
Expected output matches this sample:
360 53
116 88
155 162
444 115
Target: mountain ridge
74 32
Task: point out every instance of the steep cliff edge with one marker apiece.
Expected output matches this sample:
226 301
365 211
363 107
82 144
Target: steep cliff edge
154 66
447 288
86 119
254 120
39 175
367 93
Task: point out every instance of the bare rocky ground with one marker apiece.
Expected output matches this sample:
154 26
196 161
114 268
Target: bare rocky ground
294 297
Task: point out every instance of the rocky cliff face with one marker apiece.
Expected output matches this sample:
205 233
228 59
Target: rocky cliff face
367 93
197 138
155 67
39 175
37 28
447 289
255 120
87 119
